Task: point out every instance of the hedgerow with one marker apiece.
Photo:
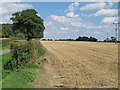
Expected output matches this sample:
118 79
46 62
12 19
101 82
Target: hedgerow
24 52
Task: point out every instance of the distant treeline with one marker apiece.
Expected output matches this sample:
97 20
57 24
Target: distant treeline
84 38
65 39
6 30
112 39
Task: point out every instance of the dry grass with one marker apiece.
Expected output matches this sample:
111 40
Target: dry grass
3 38
84 64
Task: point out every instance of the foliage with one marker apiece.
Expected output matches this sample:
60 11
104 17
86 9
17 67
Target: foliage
19 40
30 65
28 23
17 66
66 39
37 47
7 30
84 38
110 40
21 36
23 52
12 39
19 78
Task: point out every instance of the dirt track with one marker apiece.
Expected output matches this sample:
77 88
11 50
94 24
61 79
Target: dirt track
84 64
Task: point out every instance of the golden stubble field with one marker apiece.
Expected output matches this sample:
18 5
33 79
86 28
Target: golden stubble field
83 64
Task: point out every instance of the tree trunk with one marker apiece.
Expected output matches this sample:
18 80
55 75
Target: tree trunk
29 38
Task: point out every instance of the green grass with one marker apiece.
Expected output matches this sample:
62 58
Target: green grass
5 47
19 78
39 48
4 44
25 75
5 57
19 40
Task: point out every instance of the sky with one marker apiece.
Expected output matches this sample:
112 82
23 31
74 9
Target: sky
69 19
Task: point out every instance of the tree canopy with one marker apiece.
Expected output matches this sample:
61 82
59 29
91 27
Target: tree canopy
84 38
29 23
7 30
110 40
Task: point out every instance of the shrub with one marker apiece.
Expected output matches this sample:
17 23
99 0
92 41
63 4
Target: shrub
24 52
21 53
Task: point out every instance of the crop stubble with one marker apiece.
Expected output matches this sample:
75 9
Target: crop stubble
84 64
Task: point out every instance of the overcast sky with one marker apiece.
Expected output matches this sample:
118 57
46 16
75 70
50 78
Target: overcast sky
69 19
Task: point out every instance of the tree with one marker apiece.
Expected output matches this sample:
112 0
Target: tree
29 23
112 39
7 30
84 38
20 36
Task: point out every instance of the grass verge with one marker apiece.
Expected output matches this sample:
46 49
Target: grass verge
19 78
4 44
5 47
23 75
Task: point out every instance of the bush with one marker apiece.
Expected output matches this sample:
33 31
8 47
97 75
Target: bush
24 52
21 53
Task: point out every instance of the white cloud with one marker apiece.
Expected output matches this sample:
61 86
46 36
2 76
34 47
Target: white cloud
72 7
104 12
110 4
46 33
109 20
96 32
75 30
74 22
96 27
62 28
71 14
9 8
88 26
94 6
76 4
10 1
63 19
48 23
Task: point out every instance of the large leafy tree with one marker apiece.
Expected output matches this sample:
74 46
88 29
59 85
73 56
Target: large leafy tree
29 23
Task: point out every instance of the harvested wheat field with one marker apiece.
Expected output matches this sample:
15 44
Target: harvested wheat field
83 64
